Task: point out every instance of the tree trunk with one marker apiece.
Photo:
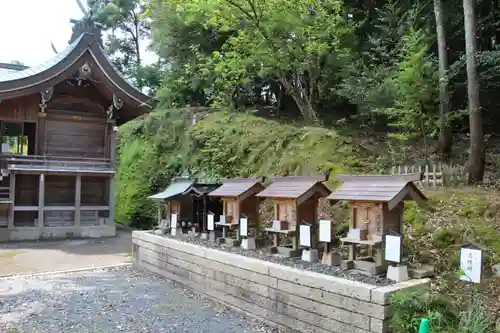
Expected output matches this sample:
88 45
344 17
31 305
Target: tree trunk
445 134
475 165
303 104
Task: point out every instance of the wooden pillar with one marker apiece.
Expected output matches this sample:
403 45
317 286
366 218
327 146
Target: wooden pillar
112 158
12 197
111 200
78 199
159 213
112 146
41 200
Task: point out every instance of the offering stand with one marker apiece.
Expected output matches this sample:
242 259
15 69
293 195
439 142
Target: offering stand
295 199
186 204
376 206
238 199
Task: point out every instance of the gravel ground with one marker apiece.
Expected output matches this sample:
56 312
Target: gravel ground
112 300
292 262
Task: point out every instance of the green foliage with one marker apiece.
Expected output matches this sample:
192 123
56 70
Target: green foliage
410 307
288 41
162 145
444 315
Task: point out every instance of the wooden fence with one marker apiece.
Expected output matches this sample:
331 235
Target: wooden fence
435 175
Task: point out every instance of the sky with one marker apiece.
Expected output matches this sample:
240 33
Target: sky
27 27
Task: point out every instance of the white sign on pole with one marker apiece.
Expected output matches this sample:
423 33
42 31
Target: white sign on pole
393 248
305 235
471 262
210 222
173 221
243 226
325 231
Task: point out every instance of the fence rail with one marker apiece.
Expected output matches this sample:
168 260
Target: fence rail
435 175
53 161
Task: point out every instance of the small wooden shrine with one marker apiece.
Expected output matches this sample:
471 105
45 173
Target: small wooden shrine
189 200
376 207
239 200
295 201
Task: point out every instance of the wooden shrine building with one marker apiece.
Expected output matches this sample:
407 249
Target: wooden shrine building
238 197
295 200
376 205
58 124
189 199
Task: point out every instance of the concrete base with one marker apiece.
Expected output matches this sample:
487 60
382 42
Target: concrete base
211 236
161 231
310 255
173 231
397 273
331 259
366 265
204 236
35 233
286 251
421 272
248 243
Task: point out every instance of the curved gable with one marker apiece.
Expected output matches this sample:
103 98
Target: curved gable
63 66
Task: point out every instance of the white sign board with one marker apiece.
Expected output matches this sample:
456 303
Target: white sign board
325 231
243 226
222 219
393 248
210 222
472 265
305 235
173 221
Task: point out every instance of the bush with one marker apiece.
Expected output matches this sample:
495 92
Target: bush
445 315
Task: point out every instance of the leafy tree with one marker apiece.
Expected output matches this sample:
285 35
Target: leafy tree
129 28
297 43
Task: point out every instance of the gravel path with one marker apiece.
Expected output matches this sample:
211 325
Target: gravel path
111 300
292 262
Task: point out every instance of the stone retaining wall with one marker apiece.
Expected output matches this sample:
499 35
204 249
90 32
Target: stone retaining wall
296 299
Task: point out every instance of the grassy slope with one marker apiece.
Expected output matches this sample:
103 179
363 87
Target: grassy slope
157 147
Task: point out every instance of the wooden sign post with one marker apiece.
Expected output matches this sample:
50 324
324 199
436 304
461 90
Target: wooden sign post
326 236
471 263
247 241
305 241
211 227
173 224
393 245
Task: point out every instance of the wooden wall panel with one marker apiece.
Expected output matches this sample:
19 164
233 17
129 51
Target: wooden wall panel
89 218
27 190
77 139
65 218
60 190
20 109
94 191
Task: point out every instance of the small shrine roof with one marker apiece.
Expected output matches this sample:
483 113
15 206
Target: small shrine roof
379 188
238 187
300 188
184 186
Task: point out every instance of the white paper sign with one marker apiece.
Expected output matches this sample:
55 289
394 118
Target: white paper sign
173 221
472 265
305 235
210 222
325 231
393 248
222 219
243 226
